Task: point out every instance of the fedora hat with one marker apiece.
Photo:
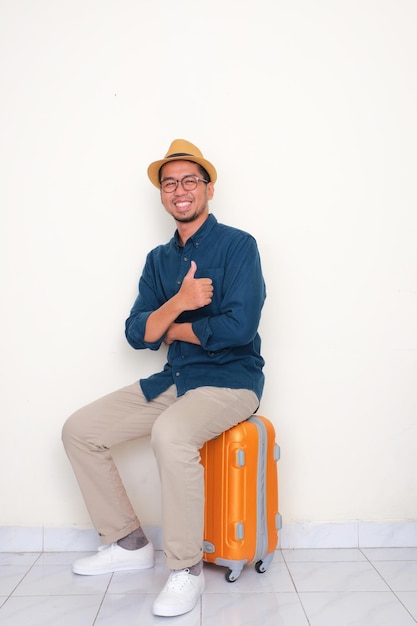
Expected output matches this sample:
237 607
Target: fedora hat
181 150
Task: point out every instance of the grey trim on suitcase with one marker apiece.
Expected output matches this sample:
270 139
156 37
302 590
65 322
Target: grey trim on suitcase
262 526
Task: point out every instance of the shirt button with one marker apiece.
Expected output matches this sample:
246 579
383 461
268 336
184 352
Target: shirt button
177 374
186 258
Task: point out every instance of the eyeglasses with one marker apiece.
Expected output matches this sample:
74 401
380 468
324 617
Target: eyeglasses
188 183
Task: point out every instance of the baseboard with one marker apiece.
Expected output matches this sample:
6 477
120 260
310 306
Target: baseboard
355 534
297 535
59 539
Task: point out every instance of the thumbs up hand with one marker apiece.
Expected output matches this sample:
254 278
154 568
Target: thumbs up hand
195 292
191 272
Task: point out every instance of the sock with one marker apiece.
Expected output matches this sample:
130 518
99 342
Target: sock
134 541
195 570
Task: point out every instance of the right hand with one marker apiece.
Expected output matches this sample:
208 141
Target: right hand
195 292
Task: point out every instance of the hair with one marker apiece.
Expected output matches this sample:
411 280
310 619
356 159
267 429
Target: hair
204 173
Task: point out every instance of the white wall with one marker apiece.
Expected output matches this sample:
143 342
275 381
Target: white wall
308 110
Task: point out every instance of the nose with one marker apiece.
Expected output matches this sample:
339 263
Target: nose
180 191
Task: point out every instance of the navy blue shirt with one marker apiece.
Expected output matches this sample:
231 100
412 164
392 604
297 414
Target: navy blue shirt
230 350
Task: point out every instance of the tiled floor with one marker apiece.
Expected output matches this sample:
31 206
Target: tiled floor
372 587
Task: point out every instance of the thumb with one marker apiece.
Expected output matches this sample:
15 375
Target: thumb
192 270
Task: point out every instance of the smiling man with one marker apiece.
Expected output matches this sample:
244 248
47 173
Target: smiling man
201 294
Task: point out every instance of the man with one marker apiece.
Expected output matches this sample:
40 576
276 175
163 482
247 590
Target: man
201 294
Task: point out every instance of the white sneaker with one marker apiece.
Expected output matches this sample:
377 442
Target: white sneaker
113 558
180 594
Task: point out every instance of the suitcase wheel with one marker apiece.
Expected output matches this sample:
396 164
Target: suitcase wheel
260 567
232 574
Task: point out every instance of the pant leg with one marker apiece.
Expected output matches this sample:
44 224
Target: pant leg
177 437
88 436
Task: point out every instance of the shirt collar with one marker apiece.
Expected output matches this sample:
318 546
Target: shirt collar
199 235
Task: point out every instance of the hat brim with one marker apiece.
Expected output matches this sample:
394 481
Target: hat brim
153 169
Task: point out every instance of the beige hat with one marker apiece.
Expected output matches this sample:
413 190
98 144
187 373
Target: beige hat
181 150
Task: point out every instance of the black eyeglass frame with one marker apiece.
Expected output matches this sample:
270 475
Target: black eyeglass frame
171 179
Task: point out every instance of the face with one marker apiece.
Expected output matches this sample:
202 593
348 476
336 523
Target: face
186 206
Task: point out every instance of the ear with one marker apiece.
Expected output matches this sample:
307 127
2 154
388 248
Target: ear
210 190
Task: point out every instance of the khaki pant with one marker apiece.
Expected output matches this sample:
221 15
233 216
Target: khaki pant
178 428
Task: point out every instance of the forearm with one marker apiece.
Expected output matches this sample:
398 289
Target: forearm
181 332
160 320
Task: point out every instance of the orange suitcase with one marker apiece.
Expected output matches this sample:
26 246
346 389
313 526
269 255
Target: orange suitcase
241 520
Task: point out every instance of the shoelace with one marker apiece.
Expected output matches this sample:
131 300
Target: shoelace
178 580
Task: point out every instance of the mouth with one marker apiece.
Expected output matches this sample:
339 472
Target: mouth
182 205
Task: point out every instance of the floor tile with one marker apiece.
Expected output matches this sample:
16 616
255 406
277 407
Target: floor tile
323 555
308 587
10 577
50 611
258 609
355 608
354 576
399 575
409 599
57 580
